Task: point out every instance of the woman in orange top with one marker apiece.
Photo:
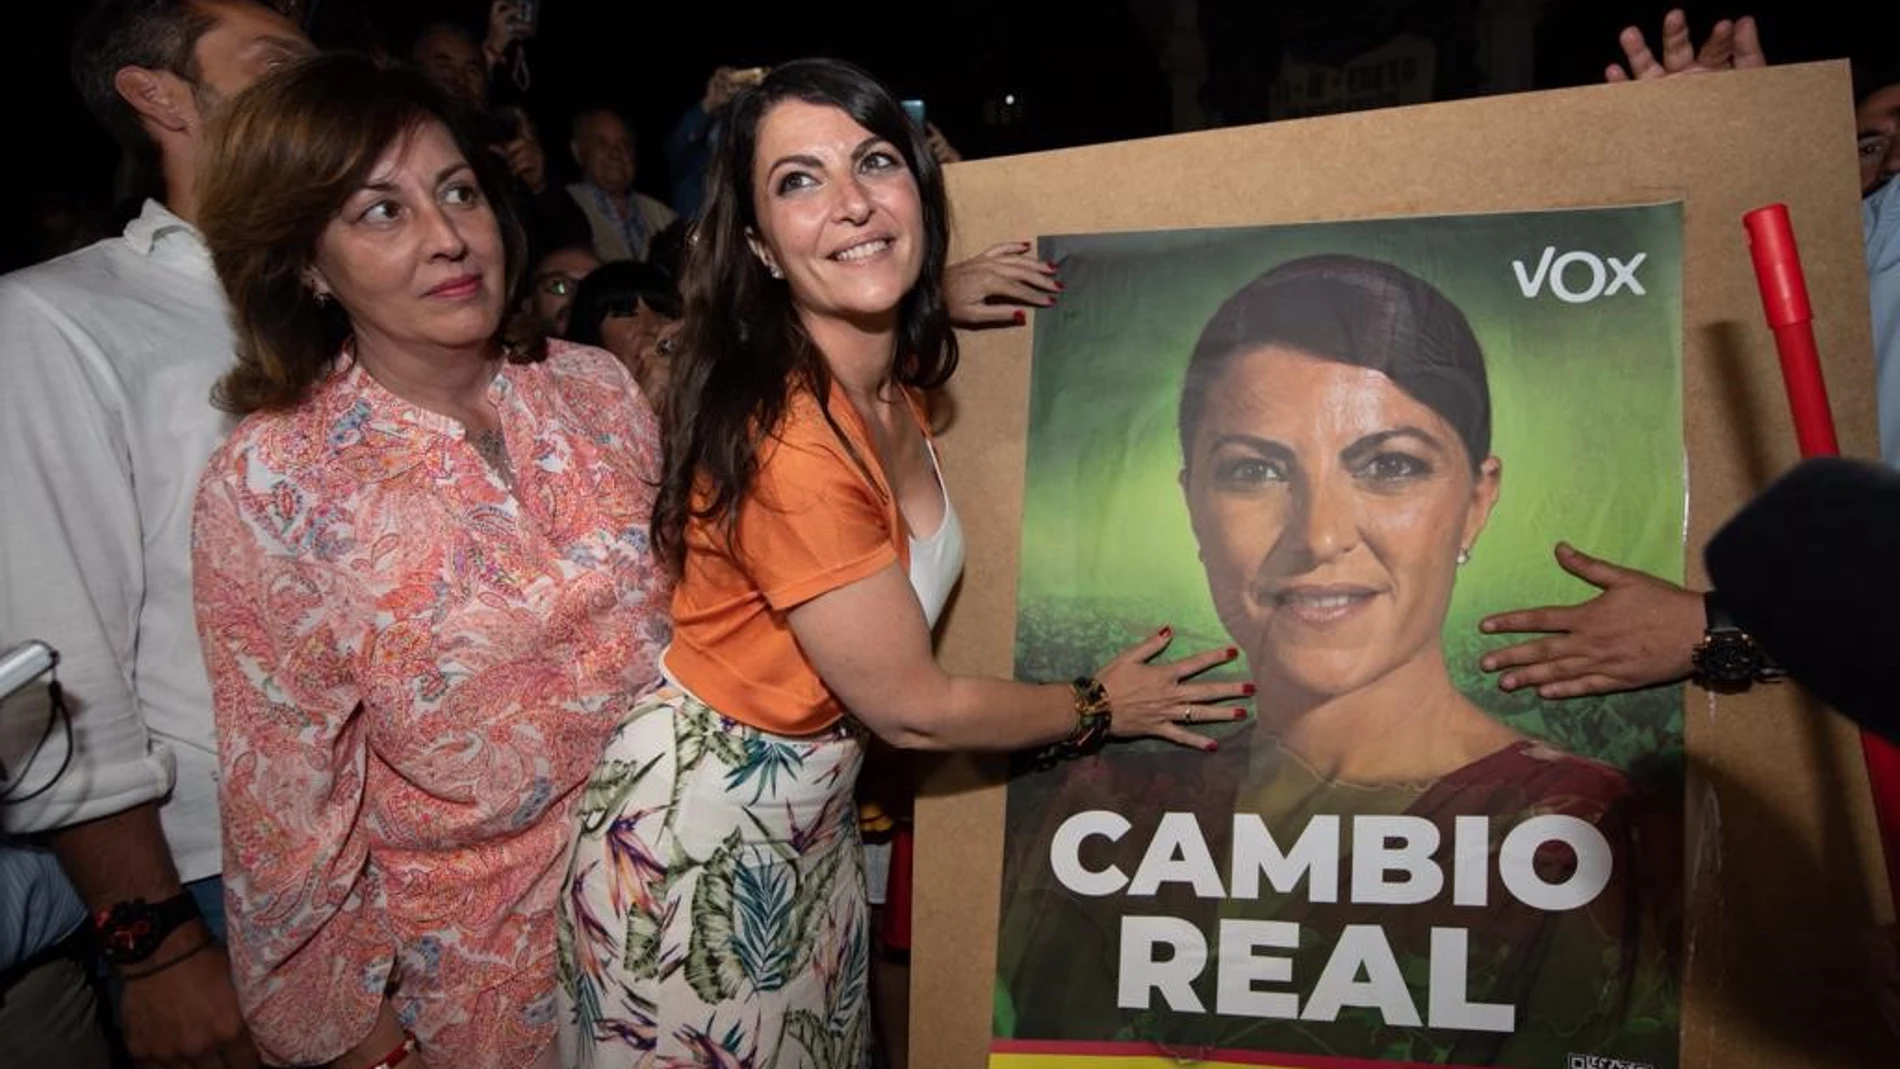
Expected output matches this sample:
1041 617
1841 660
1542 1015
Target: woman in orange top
715 910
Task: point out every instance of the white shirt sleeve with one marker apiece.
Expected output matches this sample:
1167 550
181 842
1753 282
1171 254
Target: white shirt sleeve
71 572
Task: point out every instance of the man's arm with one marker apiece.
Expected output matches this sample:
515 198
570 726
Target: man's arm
72 568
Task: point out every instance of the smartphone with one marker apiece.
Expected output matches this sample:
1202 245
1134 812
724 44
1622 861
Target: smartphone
915 109
23 664
528 16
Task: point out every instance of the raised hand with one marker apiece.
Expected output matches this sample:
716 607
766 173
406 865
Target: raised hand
1731 46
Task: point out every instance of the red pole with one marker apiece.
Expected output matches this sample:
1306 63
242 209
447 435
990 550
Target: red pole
1784 297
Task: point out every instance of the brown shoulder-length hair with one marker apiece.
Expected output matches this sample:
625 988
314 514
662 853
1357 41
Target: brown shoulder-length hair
284 157
743 349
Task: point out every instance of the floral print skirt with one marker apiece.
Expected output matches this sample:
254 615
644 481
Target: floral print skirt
714 908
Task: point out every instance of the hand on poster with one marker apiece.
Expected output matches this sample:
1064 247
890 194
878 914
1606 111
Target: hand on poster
1151 699
983 290
1641 631
1731 46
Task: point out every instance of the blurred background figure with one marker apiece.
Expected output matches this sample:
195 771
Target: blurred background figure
550 295
632 311
623 219
1877 126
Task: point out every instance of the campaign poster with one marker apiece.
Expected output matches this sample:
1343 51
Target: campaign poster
1334 448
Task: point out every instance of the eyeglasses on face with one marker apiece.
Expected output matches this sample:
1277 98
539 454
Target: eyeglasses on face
557 285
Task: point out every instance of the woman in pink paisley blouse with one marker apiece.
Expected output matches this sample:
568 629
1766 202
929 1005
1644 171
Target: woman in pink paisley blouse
422 580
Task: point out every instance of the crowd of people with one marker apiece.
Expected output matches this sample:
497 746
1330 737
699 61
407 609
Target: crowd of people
477 596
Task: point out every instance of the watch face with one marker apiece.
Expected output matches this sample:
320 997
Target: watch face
1728 657
133 930
130 934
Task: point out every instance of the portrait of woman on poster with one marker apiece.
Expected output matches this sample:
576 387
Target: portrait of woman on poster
1335 435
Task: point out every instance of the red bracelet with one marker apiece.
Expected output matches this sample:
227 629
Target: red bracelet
396 1057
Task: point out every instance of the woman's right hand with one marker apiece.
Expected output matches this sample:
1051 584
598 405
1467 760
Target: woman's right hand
1156 699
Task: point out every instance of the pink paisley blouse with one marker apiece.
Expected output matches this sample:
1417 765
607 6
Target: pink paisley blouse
414 670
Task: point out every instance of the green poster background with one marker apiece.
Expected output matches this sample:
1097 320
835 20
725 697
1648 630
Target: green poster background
1587 422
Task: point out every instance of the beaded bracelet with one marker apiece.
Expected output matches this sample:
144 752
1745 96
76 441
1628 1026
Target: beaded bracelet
1092 721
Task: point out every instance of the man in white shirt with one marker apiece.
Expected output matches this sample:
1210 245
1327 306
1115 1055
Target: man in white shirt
107 360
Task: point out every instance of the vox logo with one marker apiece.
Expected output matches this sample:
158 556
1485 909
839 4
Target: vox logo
1579 277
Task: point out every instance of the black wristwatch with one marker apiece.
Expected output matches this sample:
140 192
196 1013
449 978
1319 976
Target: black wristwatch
1727 656
130 932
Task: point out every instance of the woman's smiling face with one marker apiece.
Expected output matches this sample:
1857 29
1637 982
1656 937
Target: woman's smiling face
1330 507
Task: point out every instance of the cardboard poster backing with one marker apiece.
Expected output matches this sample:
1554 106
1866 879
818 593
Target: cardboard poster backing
1785 884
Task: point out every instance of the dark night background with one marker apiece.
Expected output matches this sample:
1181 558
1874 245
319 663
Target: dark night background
1082 71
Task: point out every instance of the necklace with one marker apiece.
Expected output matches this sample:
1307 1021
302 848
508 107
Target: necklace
494 449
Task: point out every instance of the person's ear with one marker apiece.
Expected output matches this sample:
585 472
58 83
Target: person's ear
764 254
161 99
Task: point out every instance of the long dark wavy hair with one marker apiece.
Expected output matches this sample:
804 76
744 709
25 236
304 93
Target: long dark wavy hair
743 350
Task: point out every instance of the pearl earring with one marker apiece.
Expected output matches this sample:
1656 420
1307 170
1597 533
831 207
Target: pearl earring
1464 556
775 272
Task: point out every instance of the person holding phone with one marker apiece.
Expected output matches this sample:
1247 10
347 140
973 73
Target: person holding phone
689 147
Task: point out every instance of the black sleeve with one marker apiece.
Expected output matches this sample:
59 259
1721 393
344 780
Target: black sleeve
1811 569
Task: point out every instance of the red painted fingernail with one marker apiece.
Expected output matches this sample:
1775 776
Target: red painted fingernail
1058 284
1051 264
1166 631
1232 653
1212 746
1021 317
1247 689
1240 714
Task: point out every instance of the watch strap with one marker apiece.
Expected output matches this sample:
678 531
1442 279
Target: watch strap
131 931
1720 626
1715 613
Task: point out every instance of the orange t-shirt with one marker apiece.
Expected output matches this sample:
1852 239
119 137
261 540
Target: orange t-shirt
812 523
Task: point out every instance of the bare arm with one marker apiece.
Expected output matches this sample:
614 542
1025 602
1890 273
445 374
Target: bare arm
188 1014
869 642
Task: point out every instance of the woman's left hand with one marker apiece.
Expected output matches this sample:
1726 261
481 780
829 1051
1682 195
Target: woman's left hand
1149 698
984 289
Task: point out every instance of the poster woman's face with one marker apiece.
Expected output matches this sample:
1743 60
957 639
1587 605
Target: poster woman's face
1330 508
